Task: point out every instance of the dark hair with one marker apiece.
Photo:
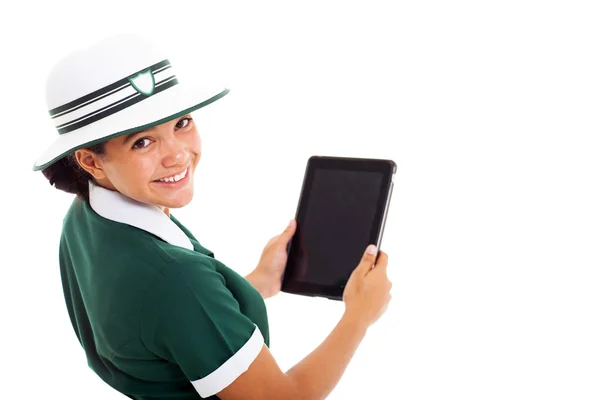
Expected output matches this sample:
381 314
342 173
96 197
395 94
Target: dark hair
67 175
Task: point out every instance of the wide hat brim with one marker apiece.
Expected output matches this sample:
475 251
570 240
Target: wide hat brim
177 101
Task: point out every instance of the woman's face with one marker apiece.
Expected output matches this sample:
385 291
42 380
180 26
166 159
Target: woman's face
155 166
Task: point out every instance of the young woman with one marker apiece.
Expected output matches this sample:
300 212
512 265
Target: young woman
158 316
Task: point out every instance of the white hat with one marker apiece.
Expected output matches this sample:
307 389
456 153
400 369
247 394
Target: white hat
115 87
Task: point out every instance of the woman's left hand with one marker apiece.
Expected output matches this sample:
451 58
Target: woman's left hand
266 278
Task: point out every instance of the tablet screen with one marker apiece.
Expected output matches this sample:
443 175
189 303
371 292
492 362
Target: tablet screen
338 222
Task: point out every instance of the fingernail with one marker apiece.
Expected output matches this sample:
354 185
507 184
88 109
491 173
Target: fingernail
291 222
372 249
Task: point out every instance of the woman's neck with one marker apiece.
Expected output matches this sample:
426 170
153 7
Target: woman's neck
165 210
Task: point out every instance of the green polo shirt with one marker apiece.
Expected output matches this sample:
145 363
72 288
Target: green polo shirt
156 314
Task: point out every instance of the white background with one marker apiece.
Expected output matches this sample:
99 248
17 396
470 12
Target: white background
490 110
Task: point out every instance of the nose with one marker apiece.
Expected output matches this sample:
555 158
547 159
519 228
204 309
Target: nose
174 153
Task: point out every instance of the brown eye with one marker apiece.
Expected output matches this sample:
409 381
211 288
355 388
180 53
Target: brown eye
141 143
184 122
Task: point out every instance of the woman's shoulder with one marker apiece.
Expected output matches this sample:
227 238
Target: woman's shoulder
87 231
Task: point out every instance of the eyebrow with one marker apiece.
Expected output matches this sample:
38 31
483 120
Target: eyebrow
128 137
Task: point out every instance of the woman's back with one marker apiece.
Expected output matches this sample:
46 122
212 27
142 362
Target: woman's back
131 301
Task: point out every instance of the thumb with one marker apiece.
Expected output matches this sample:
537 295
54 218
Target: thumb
368 259
289 231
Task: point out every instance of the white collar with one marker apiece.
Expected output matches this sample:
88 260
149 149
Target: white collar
117 207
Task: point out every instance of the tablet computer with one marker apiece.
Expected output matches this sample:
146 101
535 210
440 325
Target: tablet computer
342 209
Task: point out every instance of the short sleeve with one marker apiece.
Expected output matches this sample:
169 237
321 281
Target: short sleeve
191 319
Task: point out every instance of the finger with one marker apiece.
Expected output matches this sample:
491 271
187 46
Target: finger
382 264
289 231
382 260
368 259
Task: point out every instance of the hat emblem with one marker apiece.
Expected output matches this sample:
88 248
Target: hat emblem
143 82
90 103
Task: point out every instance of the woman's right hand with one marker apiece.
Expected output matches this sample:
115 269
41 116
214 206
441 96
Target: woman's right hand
366 297
367 292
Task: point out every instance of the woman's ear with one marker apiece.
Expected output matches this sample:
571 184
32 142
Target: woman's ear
90 162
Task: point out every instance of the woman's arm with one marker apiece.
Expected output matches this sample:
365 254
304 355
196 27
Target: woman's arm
263 284
366 297
312 378
319 372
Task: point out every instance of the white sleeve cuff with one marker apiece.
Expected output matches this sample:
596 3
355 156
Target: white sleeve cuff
228 372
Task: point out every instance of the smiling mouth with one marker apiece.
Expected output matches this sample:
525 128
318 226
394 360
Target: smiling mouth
174 178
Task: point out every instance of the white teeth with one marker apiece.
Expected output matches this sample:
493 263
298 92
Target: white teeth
175 178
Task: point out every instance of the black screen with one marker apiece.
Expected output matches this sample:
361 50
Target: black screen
337 225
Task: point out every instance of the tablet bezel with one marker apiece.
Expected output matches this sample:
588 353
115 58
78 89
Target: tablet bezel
387 167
